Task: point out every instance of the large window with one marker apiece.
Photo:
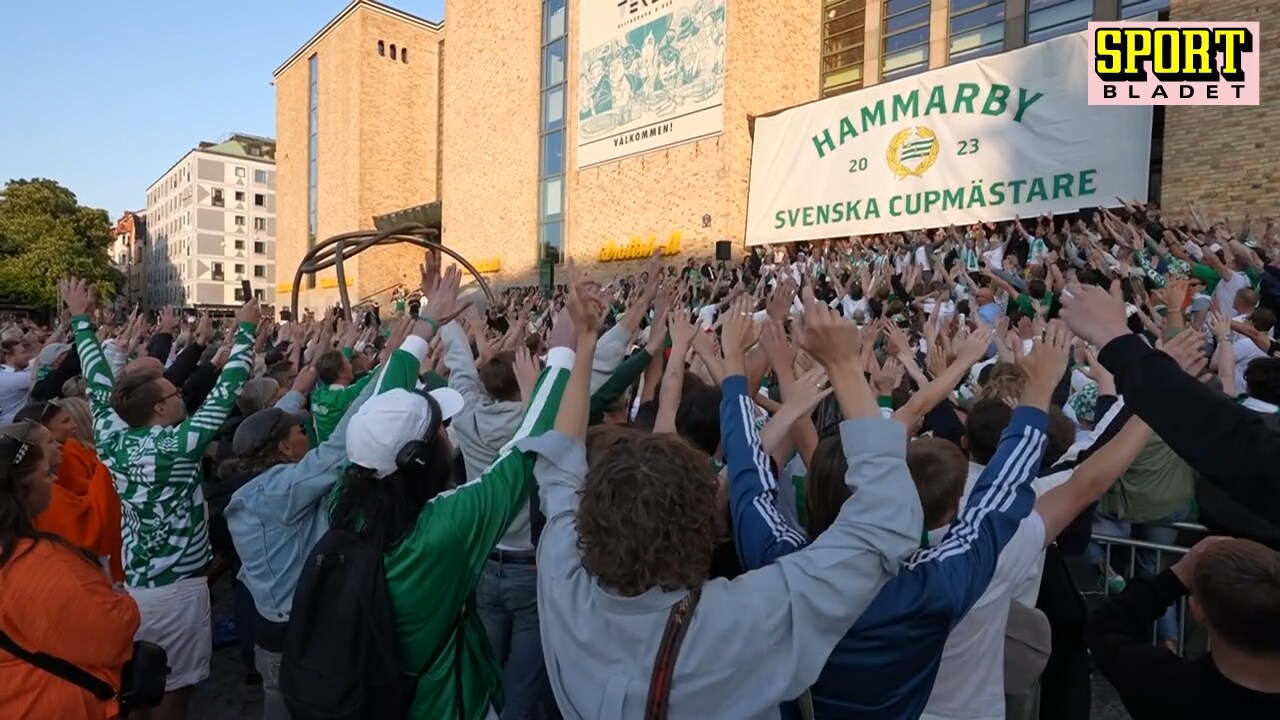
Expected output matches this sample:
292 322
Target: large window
551 164
906 38
1051 18
844 32
977 28
313 121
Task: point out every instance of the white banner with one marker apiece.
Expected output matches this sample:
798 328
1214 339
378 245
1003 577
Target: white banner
650 75
986 140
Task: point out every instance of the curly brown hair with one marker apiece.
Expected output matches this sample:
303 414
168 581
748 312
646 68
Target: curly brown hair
647 517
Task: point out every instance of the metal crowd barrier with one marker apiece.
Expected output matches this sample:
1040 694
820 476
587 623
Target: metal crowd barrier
1164 556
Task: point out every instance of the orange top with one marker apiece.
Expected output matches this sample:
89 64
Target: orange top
55 602
84 508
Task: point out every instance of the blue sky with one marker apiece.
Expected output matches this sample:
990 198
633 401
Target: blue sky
104 96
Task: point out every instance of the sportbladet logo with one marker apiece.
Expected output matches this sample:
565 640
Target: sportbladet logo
1165 63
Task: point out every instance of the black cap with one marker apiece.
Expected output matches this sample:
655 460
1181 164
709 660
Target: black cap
264 428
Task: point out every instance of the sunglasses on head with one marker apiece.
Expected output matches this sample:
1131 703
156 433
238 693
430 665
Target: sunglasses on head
14 448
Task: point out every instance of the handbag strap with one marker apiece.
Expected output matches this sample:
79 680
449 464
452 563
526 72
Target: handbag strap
100 689
664 664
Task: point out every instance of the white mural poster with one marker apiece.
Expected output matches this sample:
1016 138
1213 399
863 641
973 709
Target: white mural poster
650 75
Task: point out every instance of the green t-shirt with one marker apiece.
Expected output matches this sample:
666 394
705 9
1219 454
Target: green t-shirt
330 403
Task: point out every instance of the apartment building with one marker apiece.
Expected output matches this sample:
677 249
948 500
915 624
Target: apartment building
127 248
211 223
563 127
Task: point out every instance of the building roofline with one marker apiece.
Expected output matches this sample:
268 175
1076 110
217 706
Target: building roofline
348 10
208 151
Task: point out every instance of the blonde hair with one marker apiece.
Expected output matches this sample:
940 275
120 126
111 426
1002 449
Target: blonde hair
76 387
78 409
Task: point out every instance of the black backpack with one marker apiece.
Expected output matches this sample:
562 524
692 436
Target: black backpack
341 657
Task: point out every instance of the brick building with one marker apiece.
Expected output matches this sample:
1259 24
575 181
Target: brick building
510 133
357 121
127 253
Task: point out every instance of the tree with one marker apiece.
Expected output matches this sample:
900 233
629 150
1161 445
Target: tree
46 235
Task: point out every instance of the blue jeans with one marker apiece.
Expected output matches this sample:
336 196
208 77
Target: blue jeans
507 600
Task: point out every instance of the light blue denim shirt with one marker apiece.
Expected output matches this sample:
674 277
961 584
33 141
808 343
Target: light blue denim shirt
276 518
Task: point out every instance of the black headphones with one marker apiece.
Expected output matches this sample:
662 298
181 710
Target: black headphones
413 456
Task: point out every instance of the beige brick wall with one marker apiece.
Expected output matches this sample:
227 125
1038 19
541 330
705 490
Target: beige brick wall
771 61
1228 158
399 136
490 106
377 146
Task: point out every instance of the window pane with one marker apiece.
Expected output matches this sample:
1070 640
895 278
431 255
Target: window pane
911 38
847 22
899 23
840 61
551 235
553 108
552 197
1050 18
555 19
991 34
906 71
553 153
906 59
852 39
842 77
893 7
959 6
978 18
553 64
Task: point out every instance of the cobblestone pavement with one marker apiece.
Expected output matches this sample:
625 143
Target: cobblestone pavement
226 696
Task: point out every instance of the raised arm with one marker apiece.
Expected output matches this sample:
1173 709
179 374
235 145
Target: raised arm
1221 440
802 604
193 435
97 371
1003 495
761 533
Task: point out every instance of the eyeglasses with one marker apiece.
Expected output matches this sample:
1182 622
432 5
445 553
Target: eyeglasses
169 397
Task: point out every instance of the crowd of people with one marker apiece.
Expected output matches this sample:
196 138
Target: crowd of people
857 478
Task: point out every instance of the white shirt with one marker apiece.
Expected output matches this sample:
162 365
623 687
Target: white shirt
1224 294
1245 351
15 386
970 682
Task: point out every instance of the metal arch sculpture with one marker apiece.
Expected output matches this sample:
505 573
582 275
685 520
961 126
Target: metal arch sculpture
332 252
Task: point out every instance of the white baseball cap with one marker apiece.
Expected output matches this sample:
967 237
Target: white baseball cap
386 422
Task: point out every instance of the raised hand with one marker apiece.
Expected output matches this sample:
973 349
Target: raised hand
1046 364
1094 314
170 318
682 327
833 341
778 350
737 333
78 296
806 392
442 302
975 346
585 305
526 370
305 380
250 313
1187 349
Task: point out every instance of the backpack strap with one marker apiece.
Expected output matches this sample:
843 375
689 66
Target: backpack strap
58 667
664 664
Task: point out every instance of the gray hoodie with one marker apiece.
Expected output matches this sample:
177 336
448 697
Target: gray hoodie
753 642
482 427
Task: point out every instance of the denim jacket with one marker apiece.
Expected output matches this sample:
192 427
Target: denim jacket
276 518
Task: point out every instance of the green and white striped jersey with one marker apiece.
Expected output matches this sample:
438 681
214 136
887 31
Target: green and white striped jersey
156 470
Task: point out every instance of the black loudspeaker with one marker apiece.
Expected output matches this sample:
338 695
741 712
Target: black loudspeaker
724 250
